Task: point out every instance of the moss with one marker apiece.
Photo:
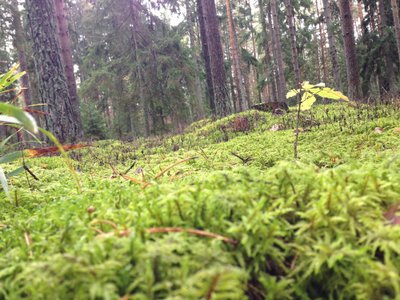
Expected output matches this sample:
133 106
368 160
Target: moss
305 230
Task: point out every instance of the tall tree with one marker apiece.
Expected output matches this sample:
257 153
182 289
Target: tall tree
293 42
322 42
267 64
206 55
52 82
388 76
240 92
347 24
67 59
396 21
278 51
199 95
216 58
332 45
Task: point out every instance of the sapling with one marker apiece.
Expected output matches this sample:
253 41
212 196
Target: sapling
308 95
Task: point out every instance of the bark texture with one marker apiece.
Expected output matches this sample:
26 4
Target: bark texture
278 53
216 58
332 45
395 11
293 42
240 92
52 82
206 55
68 63
347 23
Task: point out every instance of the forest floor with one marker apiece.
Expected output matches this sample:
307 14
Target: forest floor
220 212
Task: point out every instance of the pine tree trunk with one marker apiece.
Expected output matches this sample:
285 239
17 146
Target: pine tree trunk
332 46
66 55
19 44
347 24
389 77
267 62
395 11
198 90
221 97
237 74
278 52
206 55
322 42
293 42
52 82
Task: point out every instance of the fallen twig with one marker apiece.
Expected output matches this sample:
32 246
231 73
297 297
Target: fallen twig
194 232
28 242
244 160
174 165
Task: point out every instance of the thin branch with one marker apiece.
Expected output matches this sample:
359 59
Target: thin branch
174 165
194 232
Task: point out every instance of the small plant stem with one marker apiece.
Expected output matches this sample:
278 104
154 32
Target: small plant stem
299 96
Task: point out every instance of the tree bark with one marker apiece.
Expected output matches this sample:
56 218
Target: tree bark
293 42
347 24
53 88
267 62
216 57
322 42
66 55
332 46
241 101
198 90
206 55
388 76
278 52
395 11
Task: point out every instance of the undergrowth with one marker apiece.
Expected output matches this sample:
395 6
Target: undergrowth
239 220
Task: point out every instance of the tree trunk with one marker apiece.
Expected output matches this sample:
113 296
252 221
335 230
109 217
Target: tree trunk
347 24
53 88
388 76
278 52
206 55
395 11
66 55
241 101
216 57
198 90
332 46
19 44
267 62
322 42
293 42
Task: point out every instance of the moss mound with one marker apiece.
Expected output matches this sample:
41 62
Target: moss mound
227 214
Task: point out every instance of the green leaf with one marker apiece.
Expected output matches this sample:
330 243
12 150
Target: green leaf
307 101
9 157
15 172
292 93
15 115
9 78
329 94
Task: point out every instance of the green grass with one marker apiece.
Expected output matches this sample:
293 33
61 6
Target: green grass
311 229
